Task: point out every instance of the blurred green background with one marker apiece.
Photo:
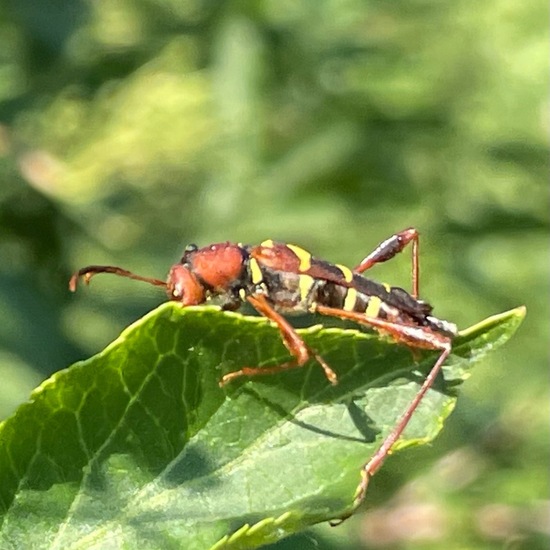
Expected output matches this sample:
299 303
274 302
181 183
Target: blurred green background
129 128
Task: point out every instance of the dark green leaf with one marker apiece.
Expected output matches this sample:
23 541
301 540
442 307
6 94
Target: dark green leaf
140 447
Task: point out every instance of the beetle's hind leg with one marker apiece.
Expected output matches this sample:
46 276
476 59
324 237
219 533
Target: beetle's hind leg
387 249
414 337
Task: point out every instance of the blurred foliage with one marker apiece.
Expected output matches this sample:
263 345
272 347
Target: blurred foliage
130 128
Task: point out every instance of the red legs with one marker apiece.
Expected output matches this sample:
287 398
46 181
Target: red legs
376 461
291 340
415 337
387 249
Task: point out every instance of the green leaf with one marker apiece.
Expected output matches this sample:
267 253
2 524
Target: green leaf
140 447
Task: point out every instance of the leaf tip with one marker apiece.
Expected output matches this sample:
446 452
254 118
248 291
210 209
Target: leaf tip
520 311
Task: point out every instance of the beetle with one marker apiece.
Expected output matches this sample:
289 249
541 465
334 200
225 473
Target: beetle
279 279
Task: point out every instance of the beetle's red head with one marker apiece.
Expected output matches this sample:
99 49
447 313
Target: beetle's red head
182 286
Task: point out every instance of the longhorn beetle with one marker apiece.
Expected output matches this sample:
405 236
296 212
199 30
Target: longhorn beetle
278 278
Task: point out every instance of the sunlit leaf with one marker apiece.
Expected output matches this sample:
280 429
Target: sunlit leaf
140 447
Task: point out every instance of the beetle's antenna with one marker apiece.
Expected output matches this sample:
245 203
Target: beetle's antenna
89 271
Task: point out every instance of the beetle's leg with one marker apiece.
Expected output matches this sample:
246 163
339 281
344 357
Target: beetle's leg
416 338
387 249
295 345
